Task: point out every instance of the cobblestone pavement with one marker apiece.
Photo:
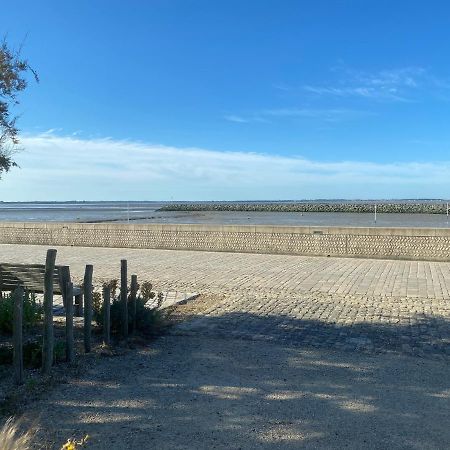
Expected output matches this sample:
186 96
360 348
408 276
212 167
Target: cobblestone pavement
363 304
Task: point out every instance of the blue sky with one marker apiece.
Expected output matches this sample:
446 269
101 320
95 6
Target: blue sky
180 99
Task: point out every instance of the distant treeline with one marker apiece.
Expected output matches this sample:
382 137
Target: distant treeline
409 208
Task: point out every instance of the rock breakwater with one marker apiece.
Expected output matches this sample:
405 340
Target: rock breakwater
335 207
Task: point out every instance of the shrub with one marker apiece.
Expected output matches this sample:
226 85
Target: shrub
146 291
148 320
32 312
32 353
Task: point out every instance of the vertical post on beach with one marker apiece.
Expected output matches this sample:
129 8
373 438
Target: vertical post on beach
17 335
447 213
106 315
133 294
375 213
123 296
70 354
87 285
48 338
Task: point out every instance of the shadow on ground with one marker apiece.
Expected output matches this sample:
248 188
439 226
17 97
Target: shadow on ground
201 391
422 335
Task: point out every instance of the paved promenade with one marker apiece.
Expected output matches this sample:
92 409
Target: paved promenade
362 304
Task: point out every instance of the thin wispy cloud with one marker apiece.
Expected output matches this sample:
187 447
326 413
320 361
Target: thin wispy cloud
236 119
326 115
398 84
331 114
400 77
251 118
66 168
404 84
368 92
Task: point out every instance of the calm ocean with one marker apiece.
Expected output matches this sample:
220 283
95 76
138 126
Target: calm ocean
146 212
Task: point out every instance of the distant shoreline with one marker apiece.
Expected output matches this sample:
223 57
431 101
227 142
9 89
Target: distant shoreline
424 207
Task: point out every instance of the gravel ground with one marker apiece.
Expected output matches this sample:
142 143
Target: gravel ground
208 393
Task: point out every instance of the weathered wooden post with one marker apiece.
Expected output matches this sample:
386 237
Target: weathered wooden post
1 283
106 315
17 335
48 338
133 294
87 307
64 278
123 296
70 353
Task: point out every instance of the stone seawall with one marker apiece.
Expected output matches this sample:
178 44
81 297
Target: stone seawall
397 243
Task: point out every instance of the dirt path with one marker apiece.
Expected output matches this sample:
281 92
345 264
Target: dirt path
205 393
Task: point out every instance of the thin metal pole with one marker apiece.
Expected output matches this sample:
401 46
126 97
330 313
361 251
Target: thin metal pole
375 213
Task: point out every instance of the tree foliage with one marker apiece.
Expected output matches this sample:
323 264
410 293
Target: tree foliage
13 70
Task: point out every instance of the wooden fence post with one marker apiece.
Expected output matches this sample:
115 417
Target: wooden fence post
106 315
48 338
87 307
133 294
1 283
64 278
17 335
70 354
123 297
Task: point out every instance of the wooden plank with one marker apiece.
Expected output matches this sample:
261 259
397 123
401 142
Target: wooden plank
27 279
13 270
32 266
26 266
18 335
28 287
37 288
27 276
31 276
30 283
47 346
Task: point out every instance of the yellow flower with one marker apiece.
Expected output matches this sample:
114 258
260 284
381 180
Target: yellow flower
69 445
72 444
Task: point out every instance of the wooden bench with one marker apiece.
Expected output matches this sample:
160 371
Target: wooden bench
31 277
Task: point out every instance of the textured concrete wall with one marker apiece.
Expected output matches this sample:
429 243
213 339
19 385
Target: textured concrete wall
405 243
